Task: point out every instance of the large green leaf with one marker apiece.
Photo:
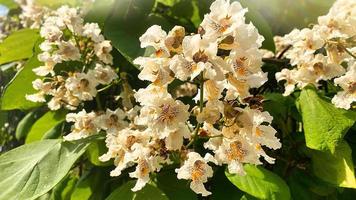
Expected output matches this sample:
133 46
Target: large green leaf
337 167
19 45
260 183
15 92
44 124
149 192
31 170
324 124
129 19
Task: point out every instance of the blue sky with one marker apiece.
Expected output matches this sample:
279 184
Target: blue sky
3 10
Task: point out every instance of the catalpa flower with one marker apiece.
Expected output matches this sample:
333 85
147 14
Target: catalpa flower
196 169
112 121
347 82
223 18
84 125
164 115
82 85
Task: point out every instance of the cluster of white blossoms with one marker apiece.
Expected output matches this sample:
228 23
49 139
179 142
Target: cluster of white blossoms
322 52
32 14
76 60
224 60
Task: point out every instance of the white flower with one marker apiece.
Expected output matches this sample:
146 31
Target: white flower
82 86
195 168
112 121
183 69
164 115
198 50
44 88
155 37
104 74
345 98
223 18
68 51
49 64
174 140
120 147
154 70
289 76
246 36
234 152
93 31
252 126
154 92
236 88
50 31
84 125
71 18
102 51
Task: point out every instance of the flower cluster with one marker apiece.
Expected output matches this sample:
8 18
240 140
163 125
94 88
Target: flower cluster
32 14
224 60
321 52
69 43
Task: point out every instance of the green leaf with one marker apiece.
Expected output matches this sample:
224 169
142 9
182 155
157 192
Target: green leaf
99 11
305 187
31 170
64 189
95 150
19 45
93 185
335 168
174 189
25 125
324 125
55 132
15 92
260 183
149 192
10 4
45 124
129 19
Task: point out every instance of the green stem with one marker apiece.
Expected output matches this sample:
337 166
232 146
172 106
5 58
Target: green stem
104 88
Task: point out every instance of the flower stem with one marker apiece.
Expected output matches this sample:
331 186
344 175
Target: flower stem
349 52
